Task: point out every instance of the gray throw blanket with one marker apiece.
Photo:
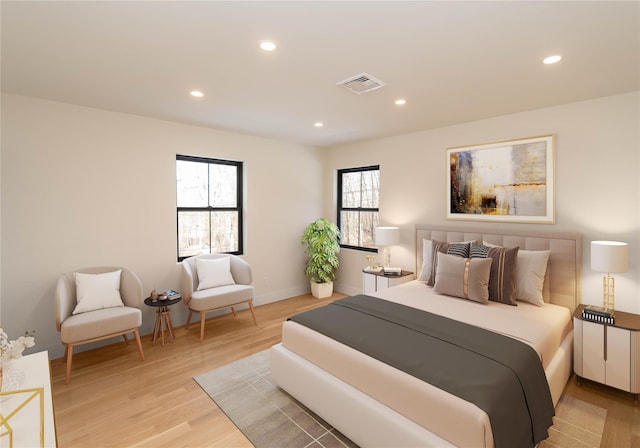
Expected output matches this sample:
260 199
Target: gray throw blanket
502 376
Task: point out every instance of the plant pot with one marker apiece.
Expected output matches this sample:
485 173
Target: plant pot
321 290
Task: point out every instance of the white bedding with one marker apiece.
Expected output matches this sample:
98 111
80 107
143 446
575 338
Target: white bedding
544 328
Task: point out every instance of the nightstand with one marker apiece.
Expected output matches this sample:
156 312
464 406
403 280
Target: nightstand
608 353
377 281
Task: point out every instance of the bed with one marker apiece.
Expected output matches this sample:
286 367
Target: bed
376 404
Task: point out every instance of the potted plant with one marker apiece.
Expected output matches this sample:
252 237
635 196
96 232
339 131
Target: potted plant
321 239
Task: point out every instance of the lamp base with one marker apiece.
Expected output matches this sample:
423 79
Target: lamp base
608 292
386 257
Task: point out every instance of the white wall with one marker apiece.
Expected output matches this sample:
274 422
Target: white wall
597 182
82 187
87 187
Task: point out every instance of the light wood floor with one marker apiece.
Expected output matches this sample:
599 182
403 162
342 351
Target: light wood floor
115 400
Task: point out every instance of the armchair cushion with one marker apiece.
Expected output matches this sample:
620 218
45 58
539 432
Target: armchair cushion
214 272
97 291
220 297
87 326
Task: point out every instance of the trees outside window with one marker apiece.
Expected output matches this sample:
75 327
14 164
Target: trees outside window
358 200
209 206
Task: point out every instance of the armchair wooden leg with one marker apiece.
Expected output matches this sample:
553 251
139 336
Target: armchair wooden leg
186 326
255 322
233 310
126 341
202 322
69 351
137 335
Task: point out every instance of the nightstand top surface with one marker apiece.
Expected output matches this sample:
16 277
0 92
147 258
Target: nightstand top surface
403 273
629 321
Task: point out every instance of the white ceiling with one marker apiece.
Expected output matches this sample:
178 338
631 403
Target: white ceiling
453 61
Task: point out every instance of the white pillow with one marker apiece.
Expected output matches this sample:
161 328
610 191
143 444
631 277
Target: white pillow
427 249
97 291
214 272
530 271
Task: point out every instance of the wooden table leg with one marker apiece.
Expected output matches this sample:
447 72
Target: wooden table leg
169 326
167 323
162 314
163 321
156 328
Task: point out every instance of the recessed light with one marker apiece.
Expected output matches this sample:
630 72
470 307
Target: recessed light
197 93
401 102
318 124
552 59
267 45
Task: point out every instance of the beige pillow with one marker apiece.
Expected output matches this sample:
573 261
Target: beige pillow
214 272
467 278
530 272
430 263
97 291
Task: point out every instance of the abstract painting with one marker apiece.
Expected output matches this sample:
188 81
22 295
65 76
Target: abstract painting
510 181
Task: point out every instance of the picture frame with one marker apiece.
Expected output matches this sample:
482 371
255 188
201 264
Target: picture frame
506 181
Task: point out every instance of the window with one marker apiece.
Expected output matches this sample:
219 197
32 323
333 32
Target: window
358 197
209 206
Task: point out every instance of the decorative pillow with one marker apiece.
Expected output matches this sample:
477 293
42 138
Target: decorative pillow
530 272
97 291
502 285
427 260
467 278
458 249
214 272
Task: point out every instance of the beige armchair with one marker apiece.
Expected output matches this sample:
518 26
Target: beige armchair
97 324
204 294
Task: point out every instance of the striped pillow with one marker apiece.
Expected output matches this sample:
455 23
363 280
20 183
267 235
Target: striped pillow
459 249
502 285
478 251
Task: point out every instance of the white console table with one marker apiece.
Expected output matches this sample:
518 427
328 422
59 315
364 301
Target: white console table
26 415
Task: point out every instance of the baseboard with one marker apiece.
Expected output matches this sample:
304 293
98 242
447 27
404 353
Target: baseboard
282 294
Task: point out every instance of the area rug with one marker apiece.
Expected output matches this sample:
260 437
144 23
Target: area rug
577 424
269 417
266 415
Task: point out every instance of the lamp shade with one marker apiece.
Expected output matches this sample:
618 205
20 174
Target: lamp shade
609 256
387 236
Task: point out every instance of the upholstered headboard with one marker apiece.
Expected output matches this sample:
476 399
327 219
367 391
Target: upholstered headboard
563 279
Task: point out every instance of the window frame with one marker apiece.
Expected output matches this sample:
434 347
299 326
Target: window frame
340 208
238 208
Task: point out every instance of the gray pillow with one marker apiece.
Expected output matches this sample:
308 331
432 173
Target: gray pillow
467 278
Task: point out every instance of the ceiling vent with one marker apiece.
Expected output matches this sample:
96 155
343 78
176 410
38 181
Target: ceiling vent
361 83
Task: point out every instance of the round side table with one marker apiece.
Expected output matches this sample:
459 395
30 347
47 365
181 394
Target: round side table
163 318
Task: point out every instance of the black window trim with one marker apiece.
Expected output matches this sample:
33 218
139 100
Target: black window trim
357 209
239 203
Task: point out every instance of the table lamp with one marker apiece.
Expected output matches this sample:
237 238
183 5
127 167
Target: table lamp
609 257
385 237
